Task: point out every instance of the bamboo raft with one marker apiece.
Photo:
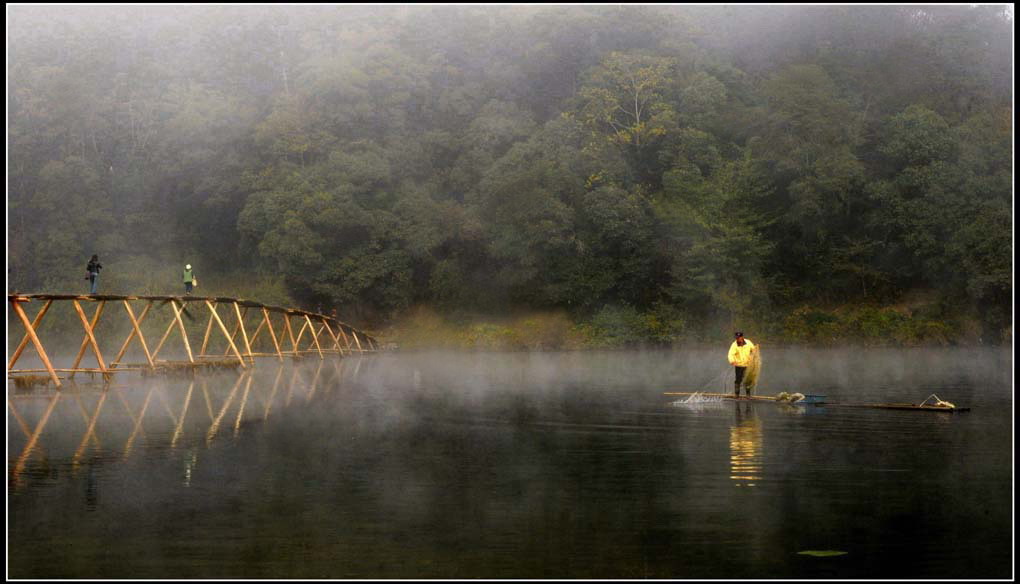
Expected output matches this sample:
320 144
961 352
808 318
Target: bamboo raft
895 406
815 401
808 399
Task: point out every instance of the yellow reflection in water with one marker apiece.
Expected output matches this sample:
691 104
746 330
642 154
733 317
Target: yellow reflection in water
745 447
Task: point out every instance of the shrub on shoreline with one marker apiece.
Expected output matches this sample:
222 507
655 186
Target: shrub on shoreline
622 327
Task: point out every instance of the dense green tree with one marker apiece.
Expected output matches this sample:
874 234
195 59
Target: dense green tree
682 164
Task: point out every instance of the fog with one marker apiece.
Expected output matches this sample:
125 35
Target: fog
484 159
634 181
513 465
390 392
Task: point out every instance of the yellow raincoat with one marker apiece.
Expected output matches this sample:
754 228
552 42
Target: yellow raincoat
742 356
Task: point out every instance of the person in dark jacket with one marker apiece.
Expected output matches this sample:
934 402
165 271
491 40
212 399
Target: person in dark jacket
92 273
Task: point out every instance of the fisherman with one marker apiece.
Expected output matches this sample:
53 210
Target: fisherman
189 279
741 356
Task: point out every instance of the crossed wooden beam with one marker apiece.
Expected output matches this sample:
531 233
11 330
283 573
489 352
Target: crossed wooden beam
325 335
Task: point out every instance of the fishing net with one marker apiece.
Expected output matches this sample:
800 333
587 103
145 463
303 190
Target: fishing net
751 375
697 400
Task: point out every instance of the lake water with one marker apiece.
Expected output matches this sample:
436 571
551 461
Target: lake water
556 465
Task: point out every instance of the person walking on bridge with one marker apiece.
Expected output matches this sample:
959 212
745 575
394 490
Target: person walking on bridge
189 280
92 273
742 355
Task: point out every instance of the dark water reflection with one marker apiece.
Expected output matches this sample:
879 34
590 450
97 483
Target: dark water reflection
519 466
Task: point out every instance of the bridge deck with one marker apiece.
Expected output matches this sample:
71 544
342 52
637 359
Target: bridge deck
345 340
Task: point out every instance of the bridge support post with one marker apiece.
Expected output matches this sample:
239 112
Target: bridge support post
315 337
347 341
290 332
184 332
301 333
205 339
135 330
272 333
223 328
26 338
244 333
30 332
336 341
89 337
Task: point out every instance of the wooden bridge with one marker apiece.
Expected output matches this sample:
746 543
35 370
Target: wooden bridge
326 334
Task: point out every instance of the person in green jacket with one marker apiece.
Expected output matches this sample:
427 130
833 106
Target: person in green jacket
189 279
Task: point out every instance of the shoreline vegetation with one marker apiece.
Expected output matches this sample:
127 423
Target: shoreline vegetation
626 328
920 321
534 177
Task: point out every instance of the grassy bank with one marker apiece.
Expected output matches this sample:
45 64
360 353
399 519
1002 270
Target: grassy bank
623 327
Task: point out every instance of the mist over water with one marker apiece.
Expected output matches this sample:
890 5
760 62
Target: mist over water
519 465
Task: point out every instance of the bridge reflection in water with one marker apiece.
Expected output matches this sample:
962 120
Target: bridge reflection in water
53 430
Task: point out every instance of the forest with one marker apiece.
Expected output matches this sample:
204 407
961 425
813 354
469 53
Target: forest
628 174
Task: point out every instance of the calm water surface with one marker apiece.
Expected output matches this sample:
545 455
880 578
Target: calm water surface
565 465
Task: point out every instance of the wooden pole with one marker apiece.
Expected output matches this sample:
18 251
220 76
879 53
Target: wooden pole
166 335
347 341
354 334
272 333
244 334
315 336
35 341
290 332
136 330
88 334
223 327
26 338
301 333
205 339
233 335
258 331
184 332
336 341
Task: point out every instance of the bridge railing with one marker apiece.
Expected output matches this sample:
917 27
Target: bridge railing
325 335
